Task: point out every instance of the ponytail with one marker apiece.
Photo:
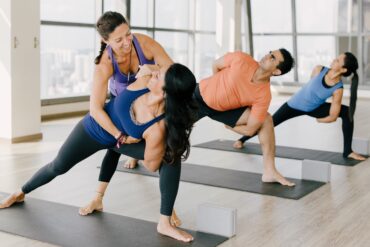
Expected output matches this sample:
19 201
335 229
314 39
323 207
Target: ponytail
353 97
351 64
180 111
102 48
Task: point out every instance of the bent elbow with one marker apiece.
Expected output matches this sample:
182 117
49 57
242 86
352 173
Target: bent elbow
94 111
333 118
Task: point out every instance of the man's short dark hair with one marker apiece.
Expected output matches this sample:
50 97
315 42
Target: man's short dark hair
288 63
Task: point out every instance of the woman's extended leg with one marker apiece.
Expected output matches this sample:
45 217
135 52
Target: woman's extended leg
78 146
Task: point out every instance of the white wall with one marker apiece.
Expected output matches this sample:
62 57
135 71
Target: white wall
20 68
228 28
5 70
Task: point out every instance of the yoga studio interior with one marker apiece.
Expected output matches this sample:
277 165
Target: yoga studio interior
165 123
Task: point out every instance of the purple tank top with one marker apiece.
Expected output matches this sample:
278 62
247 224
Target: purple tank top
119 81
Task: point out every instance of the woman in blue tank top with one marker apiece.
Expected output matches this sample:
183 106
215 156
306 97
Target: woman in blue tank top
158 108
121 54
311 100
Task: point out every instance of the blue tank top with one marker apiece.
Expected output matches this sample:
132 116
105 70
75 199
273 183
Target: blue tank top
314 93
119 81
119 111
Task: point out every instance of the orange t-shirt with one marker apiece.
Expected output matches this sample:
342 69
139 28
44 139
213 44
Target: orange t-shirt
232 87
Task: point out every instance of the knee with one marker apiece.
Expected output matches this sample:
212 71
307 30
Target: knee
268 117
268 120
57 168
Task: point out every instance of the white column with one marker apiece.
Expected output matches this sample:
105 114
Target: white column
20 104
5 70
228 28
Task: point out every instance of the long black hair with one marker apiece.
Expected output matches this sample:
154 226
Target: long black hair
105 26
351 64
180 110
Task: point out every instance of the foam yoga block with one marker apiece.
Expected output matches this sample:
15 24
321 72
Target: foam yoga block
215 219
316 170
361 145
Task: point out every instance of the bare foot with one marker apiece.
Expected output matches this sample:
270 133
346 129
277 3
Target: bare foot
238 144
13 198
95 204
356 156
173 232
275 176
131 163
175 221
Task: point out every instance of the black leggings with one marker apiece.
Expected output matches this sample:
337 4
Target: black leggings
285 112
169 174
79 145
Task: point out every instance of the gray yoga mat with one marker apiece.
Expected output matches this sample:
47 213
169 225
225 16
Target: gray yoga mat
235 180
282 152
60 224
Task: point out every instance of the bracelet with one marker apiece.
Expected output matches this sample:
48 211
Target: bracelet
119 136
121 139
125 138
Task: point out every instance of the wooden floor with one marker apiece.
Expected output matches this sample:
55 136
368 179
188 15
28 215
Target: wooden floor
337 214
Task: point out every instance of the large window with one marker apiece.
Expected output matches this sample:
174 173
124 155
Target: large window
190 38
272 29
66 64
314 31
69 41
68 47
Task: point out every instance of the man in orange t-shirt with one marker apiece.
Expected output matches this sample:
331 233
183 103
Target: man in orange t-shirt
238 95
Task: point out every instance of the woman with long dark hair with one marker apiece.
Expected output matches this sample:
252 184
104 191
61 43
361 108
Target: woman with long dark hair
311 100
148 109
121 55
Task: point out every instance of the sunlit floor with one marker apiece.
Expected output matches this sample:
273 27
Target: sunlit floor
336 214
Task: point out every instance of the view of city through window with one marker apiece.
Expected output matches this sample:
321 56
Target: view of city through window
69 42
67 52
66 66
